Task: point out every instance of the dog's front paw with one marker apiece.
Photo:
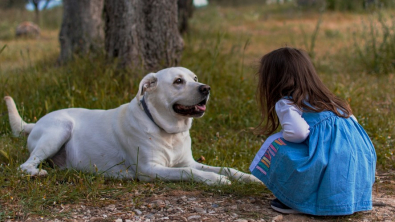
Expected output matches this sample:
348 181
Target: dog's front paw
251 179
32 171
41 173
224 181
220 180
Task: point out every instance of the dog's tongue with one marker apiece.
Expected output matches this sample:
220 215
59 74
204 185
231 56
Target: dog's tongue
200 107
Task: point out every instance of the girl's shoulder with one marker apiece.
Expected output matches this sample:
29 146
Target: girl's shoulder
285 105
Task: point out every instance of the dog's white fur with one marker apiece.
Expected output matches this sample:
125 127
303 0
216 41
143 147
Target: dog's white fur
124 142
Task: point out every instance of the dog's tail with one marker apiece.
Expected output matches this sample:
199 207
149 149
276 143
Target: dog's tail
18 126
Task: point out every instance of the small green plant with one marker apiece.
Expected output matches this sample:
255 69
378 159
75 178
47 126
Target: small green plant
7 32
310 45
377 53
358 5
2 48
350 5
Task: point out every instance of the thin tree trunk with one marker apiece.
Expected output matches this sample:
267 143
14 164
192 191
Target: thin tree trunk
36 11
185 11
143 33
82 28
46 4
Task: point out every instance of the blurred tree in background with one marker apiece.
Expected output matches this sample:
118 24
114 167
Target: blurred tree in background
185 11
335 5
349 5
82 28
242 2
357 5
137 33
6 4
143 33
36 4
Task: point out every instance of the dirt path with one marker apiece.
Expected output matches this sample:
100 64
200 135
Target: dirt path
176 205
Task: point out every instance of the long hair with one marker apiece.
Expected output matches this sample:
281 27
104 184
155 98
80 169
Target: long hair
289 73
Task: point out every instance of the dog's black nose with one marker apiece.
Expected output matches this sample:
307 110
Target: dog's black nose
204 89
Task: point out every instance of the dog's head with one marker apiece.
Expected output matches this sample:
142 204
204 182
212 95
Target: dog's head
173 96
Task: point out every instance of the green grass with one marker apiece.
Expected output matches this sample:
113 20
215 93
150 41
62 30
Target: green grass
222 48
377 52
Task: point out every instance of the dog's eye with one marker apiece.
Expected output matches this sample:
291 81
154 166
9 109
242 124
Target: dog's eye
178 81
196 79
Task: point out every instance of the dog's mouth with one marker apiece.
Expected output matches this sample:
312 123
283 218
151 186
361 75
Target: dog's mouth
191 111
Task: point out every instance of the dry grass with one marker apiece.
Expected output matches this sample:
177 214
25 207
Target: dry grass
25 53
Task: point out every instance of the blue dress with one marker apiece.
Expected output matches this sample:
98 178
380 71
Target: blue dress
330 173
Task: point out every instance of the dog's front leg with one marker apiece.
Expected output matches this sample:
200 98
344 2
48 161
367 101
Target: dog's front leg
151 172
229 172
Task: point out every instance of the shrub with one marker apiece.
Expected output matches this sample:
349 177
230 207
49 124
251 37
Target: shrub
377 53
7 31
349 5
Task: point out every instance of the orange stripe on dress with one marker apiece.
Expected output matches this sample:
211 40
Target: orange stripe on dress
264 162
281 141
278 142
263 166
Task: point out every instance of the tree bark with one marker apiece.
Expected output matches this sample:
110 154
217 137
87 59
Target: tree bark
143 33
122 19
46 4
185 11
36 11
18 4
82 28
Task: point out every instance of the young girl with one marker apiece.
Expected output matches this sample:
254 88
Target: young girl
322 162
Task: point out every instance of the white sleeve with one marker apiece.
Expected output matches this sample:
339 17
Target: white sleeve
352 116
295 128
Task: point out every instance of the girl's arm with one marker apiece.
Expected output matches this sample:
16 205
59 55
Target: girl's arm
295 128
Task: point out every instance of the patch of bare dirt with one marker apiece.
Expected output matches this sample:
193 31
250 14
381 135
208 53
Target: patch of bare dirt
176 205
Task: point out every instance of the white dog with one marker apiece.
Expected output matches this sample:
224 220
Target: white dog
145 139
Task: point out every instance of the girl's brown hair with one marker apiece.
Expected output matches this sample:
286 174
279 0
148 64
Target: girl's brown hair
289 73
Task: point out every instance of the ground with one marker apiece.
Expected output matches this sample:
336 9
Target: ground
179 205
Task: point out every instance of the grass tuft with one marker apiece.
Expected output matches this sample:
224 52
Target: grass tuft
376 53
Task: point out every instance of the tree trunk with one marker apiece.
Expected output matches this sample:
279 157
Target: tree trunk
82 28
143 33
36 11
18 4
185 11
122 19
46 4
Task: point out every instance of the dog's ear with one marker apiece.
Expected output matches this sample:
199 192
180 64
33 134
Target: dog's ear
148 83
